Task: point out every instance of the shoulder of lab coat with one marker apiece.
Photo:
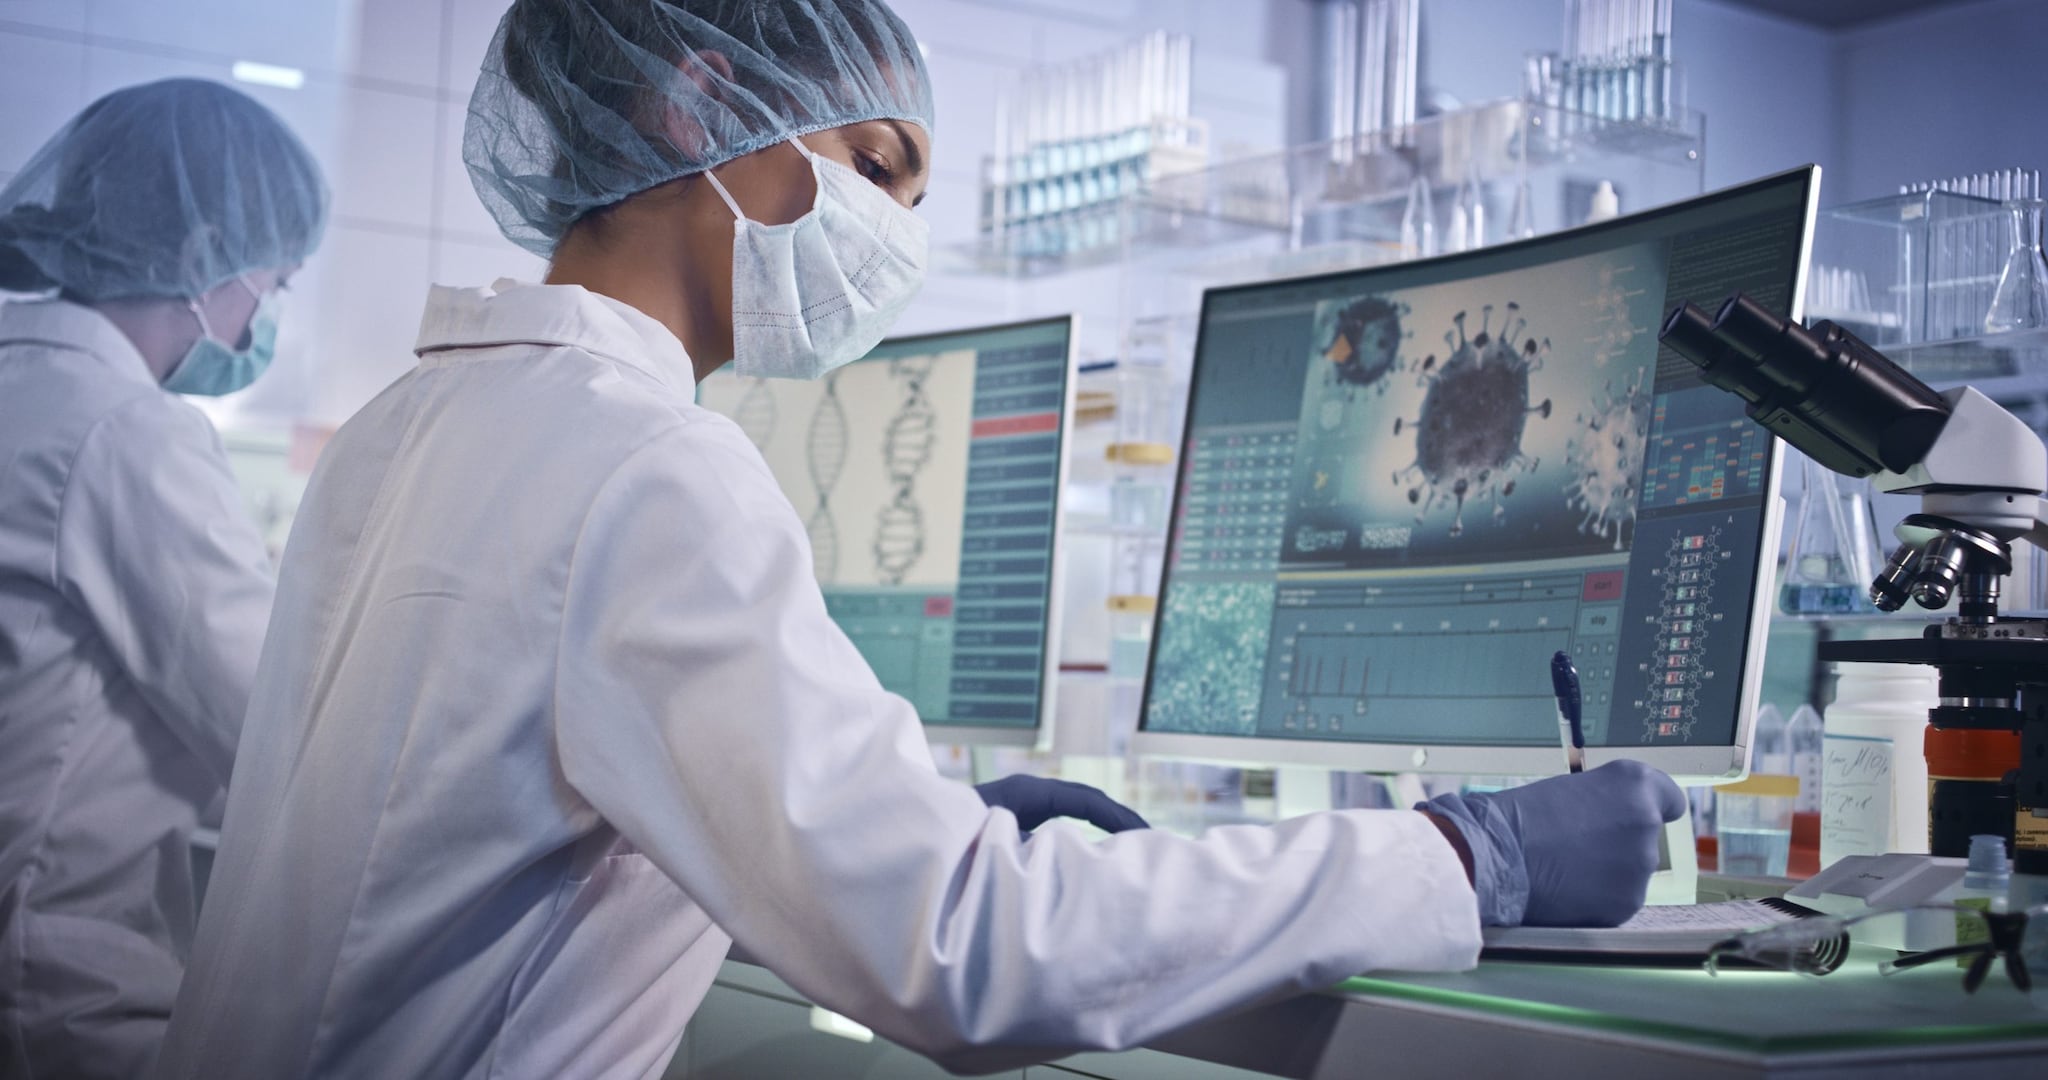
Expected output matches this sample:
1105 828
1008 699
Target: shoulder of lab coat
712 711
155 545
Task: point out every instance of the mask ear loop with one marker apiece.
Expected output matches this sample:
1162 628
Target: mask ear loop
739 218
205 330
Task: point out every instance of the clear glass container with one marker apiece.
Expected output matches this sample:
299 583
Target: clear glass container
1829 565
2020 301
1753 817
1917 276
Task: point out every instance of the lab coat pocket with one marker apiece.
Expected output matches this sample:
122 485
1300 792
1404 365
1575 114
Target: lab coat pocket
606 986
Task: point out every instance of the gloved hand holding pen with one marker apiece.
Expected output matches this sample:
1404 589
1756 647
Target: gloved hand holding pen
1573 850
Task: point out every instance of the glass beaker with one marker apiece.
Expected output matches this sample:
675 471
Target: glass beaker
1827 570
2021 302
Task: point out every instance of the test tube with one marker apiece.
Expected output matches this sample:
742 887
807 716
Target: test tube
1187 77
1340 48
996 206
1373 68
1667 109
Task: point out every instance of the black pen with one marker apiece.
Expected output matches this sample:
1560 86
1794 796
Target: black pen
1571 730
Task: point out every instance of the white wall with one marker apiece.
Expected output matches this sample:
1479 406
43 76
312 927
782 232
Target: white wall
1954 91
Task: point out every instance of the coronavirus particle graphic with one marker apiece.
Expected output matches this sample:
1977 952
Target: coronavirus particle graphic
906 449
1468 440
1606 456
1364 346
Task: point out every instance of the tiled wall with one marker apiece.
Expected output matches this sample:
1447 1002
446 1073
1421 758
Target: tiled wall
383 107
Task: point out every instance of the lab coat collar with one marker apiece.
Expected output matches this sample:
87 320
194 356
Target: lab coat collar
512 312
65 325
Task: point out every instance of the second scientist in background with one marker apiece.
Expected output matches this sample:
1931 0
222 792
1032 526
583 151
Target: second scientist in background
157 227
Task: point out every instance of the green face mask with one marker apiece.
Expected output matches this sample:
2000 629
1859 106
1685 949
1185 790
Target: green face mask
212 368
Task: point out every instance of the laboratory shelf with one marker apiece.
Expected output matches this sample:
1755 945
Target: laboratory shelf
2000 365
1353 193
1914 275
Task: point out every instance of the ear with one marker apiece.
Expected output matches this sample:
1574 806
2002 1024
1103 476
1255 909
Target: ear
709 70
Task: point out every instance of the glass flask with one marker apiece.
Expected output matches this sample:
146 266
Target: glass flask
1828 567
2021 302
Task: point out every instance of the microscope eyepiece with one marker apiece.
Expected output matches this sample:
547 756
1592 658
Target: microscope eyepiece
1820 388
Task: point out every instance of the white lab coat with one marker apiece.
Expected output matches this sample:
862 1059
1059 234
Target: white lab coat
133 596
551 712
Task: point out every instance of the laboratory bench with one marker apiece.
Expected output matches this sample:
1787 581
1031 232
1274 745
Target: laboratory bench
1519 1019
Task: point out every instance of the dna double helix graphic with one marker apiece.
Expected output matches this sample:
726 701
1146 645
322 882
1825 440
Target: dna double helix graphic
755 414
825 457
906 449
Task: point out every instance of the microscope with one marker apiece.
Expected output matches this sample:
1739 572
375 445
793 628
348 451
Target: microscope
1980 475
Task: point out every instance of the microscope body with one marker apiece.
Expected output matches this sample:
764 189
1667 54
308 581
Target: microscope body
1980 475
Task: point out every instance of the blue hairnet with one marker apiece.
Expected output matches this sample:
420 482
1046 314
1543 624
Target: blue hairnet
165 189
582 103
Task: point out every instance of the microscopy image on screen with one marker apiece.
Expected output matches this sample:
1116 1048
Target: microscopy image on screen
1500 416
1217 657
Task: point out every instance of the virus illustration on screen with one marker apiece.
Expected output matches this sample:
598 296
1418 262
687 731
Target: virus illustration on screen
1364 346
906 450
1468 441
1606 456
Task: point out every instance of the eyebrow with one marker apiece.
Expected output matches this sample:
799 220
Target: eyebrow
911 157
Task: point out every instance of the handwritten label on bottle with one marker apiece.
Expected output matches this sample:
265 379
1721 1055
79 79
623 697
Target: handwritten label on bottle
1856 797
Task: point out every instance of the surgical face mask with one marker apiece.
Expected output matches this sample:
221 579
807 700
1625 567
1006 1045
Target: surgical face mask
212 367
821 291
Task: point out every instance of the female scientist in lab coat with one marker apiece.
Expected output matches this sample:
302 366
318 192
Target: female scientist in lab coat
553 713
133 587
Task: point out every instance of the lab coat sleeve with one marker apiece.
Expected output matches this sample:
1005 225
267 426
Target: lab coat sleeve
155 546
712 712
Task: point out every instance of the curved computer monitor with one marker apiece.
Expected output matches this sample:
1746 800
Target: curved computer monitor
928 475
1403 489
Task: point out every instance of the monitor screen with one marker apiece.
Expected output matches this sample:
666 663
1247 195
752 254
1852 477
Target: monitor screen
927 475
1403 489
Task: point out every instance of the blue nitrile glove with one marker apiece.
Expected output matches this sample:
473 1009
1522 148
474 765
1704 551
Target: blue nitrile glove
1036 800
1572 850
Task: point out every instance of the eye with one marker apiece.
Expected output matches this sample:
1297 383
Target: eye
875 168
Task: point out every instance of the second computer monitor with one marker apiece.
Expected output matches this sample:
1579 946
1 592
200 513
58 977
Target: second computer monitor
927 476
1404 489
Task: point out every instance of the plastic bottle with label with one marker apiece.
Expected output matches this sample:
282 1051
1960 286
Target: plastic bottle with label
1874 762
